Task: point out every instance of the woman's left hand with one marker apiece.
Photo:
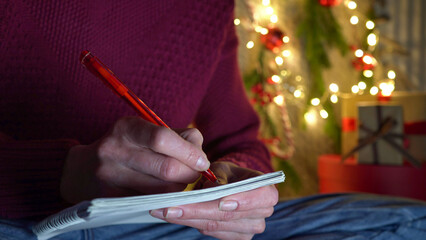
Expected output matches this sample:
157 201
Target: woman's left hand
238 216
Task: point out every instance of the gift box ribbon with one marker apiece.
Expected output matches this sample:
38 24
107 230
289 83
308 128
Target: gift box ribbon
382 133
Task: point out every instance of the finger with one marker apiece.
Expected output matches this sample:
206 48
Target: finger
163 140
192 135
261 197
228 235
247 226
128 179
161 167
209 210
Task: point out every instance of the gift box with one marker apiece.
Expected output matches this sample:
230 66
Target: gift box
414 116
380 134
349 176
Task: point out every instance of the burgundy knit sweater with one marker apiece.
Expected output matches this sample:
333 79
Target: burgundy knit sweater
178 56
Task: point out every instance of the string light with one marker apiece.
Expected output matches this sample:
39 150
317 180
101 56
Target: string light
266 2
367 59
354 20
269 10
273 18
352 5
372 39
355 89
315 101
310 117
324 113
250 44
286 53
286 39
369 24
276 79
279 60
279 100
367 73
334 98
391 74
334 88
359 53
297 93
374 90
264 31
362 85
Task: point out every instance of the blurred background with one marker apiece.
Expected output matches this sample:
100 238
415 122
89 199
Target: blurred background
309 64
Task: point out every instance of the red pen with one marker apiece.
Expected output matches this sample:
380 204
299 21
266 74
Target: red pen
95 66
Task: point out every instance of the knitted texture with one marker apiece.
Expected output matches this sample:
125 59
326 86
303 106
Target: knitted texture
178 56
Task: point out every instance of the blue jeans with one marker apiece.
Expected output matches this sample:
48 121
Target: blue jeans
335 216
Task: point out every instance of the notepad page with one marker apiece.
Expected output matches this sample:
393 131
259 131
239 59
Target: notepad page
111 211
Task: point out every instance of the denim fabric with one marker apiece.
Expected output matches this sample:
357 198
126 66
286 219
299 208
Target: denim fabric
336 216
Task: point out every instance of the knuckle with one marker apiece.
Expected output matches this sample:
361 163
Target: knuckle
192 157
157 138
269 212
211 226
259 227
168 170
193 133
227 216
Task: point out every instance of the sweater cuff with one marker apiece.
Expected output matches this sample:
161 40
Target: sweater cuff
30 176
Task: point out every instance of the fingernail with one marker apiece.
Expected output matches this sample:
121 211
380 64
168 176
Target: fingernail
202 164
228 205
158 213
174 212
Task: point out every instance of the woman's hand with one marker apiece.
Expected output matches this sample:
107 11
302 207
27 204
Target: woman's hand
135 157
237 216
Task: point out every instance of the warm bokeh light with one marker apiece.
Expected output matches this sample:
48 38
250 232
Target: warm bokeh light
359 53
279 60
334 88
310 117
266 2
276 79
369 24
279 100
269 10
324 113
367 73
334 98
355 89
286 53
250 44
372 39
391 74
297 93
315 101
362 85
354 20
374 90
273 18
352 5
237 21
286 39
367 59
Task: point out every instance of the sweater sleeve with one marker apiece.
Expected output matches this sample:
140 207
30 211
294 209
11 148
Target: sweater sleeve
34 169
226 118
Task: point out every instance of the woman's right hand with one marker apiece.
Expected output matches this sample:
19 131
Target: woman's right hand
135 157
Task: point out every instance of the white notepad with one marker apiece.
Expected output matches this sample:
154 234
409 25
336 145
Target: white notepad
110 211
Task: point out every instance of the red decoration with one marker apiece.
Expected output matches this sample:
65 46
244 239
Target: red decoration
329 3
261 96
366 62
273 39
